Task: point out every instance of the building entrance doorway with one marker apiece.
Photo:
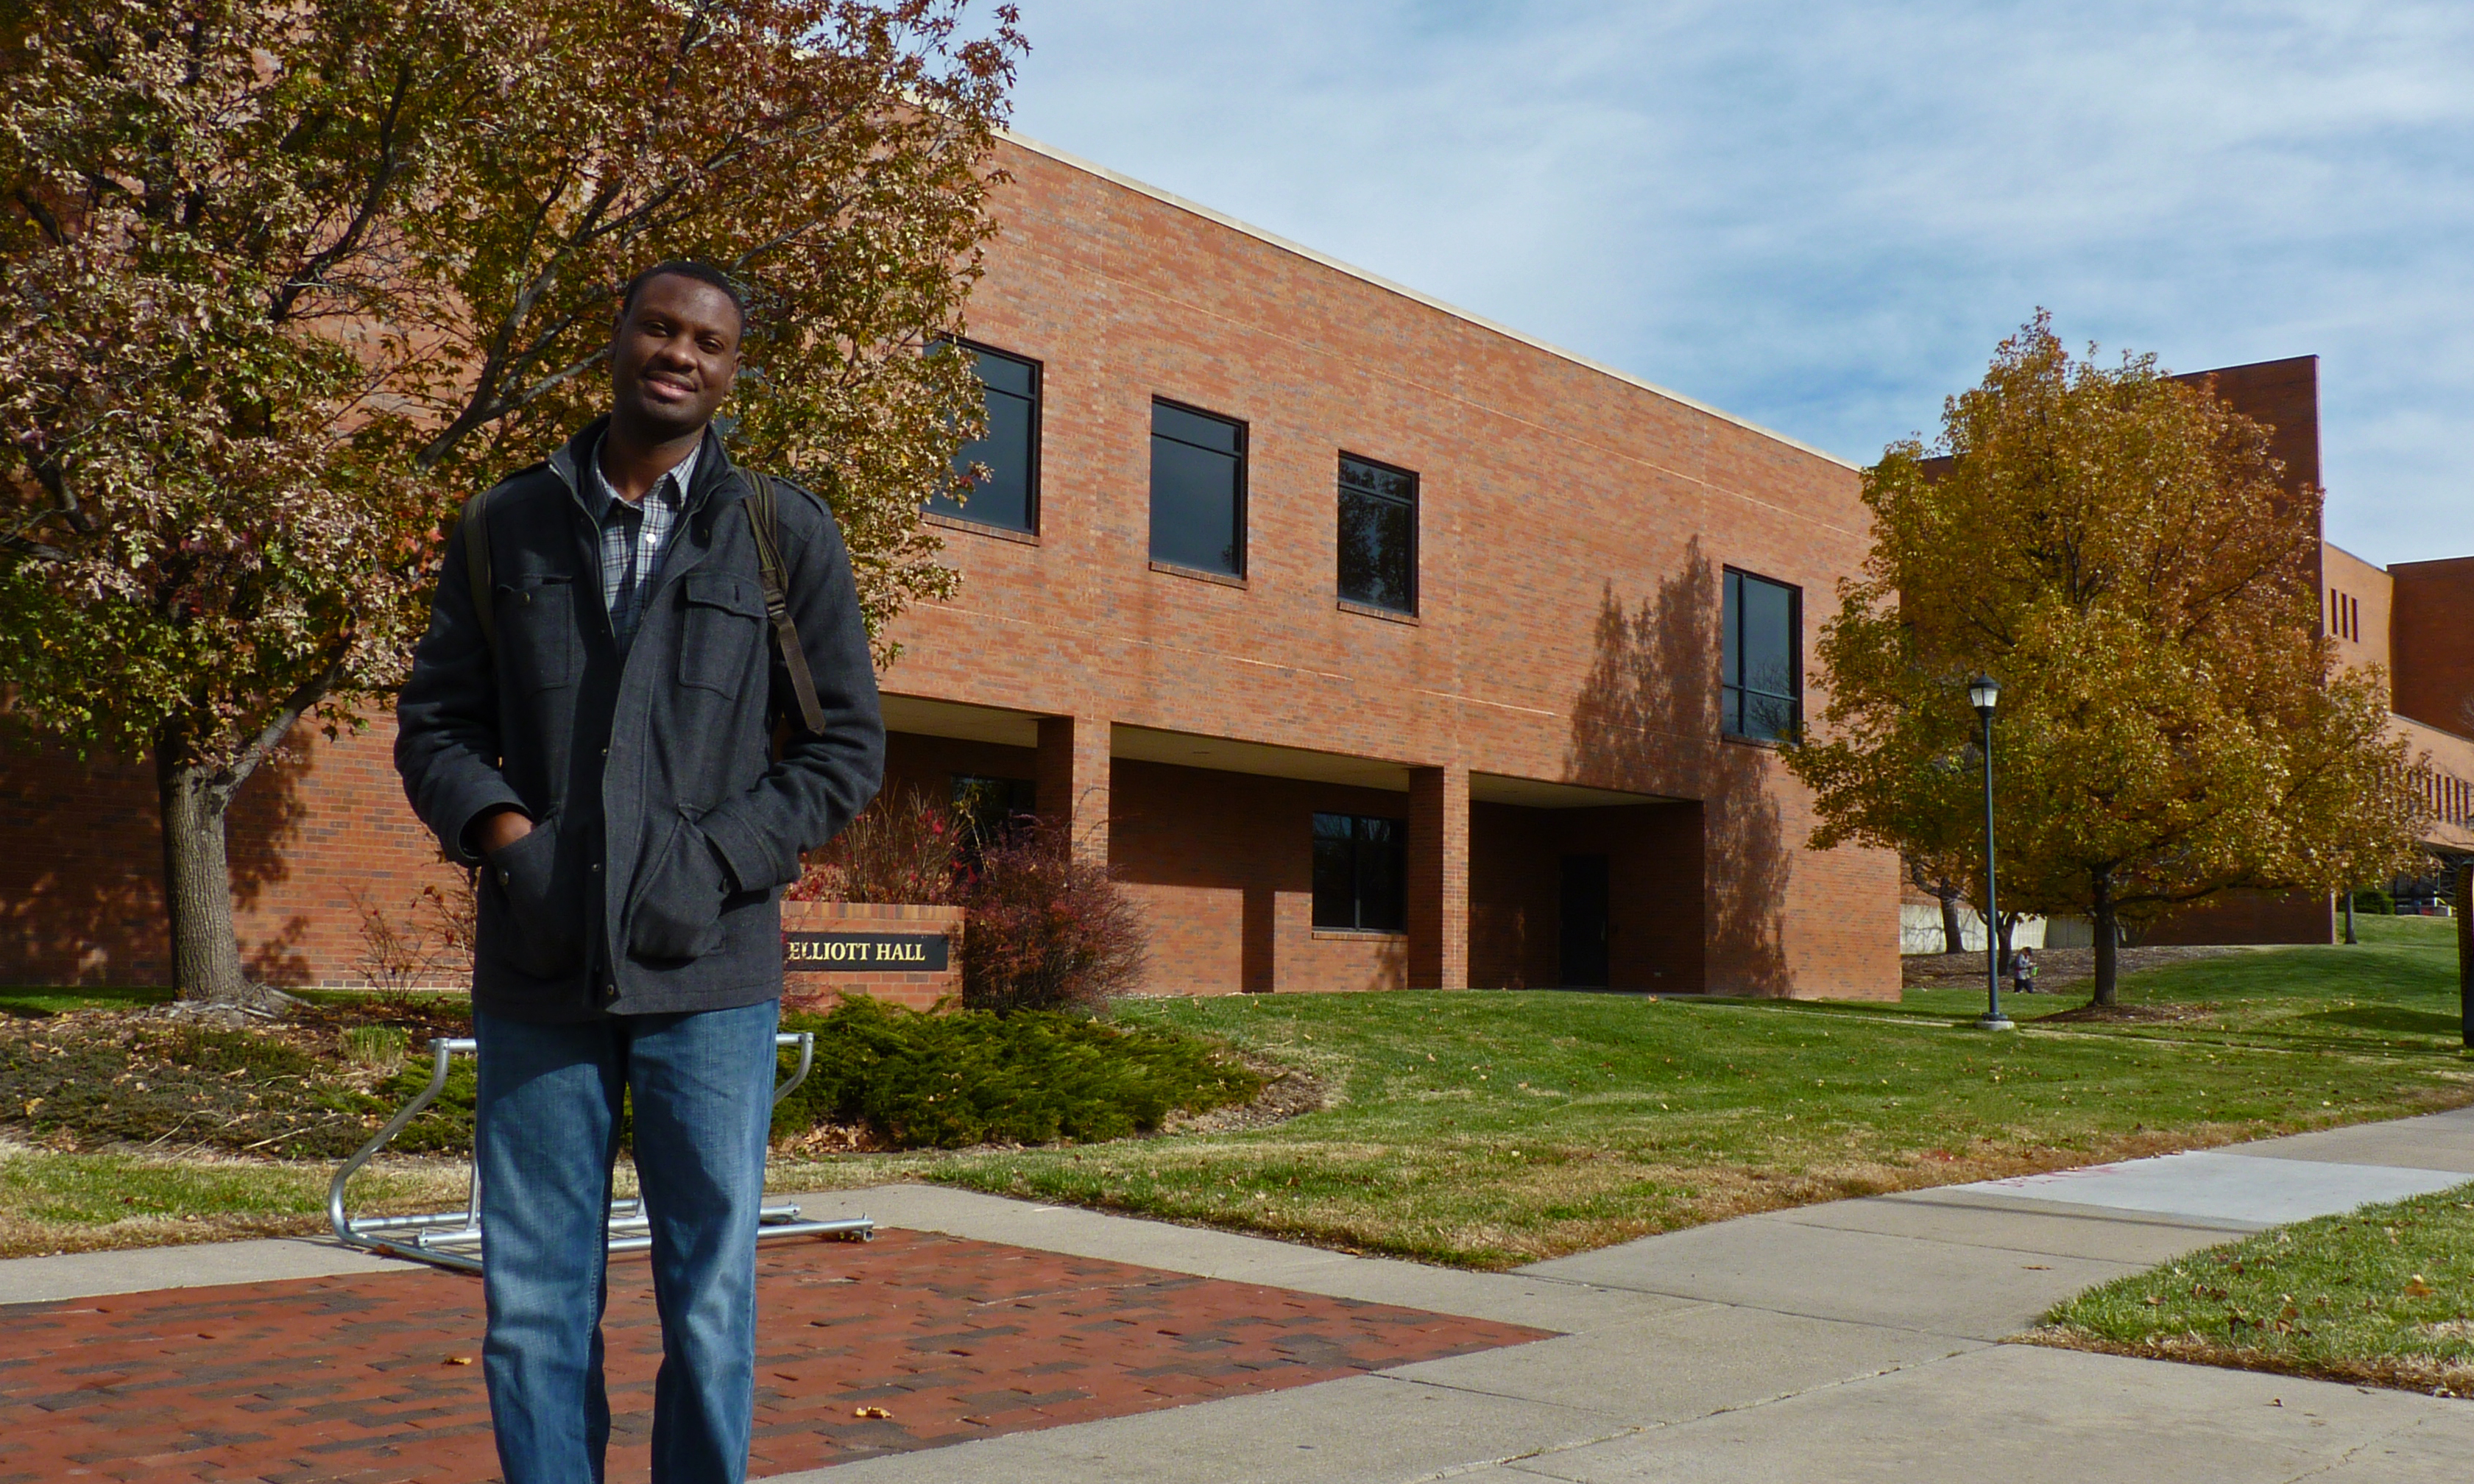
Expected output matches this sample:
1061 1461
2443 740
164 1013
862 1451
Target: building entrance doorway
1583 918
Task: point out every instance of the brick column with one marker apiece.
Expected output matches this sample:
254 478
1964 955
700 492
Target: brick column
1072 779
1439 910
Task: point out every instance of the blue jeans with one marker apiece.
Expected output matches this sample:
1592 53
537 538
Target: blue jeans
546 1136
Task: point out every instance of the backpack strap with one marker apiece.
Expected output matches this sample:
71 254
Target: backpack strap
473 524
761 515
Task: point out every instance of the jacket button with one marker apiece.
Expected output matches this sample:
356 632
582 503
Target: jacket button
596 867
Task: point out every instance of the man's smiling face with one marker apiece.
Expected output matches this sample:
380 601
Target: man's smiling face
674 356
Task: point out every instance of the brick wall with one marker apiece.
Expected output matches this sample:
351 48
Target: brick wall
924 989
80 876
2357 602
2431 636
1573 522
2248 917
1572 526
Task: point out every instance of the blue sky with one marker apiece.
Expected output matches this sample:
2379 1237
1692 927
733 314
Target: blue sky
1823 217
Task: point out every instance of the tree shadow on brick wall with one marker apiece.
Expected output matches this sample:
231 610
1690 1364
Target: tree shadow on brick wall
82 864
1646 720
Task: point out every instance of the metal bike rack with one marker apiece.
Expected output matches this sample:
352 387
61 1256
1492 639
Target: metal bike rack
453 1239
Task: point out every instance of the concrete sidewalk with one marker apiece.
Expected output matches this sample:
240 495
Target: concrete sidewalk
1853 1341
1857 1341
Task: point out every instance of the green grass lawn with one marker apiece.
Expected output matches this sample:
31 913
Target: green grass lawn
1493 1128
1489 1128
2383 1294
38 1001
52 1201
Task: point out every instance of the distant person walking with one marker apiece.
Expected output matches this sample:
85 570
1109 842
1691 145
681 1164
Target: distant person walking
590 720
2022 972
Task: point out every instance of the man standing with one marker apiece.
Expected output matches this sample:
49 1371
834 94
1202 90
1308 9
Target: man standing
590 718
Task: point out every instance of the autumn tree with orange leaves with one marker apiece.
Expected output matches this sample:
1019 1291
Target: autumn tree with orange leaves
2116 549
280 284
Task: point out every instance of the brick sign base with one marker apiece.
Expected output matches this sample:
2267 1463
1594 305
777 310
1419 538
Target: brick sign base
823 959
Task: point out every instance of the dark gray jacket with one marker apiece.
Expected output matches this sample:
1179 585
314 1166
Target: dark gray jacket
665 825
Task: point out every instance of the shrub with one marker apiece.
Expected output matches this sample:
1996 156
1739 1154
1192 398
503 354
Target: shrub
401 954
916 1080
1046 928
901 848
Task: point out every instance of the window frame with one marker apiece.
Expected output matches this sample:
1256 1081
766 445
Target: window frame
1417 510
1038 400
1240 515
1730 715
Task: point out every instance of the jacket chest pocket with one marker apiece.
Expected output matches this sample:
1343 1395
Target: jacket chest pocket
537 632
721 625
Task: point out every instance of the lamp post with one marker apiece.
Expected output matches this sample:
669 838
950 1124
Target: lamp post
1984 693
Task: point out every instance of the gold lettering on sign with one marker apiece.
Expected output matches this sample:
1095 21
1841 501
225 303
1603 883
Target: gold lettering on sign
827 953
908 952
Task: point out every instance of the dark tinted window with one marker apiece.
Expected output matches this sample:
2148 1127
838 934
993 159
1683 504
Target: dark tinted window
984 806
1763 675
1197 490
1379 535
1361 873
1010 495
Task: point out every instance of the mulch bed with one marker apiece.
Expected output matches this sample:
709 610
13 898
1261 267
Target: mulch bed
2130 1014
2059 970
166 1079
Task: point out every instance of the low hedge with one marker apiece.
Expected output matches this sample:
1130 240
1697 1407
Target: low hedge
916 1080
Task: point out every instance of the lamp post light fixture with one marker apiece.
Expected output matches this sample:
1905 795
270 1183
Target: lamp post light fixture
1984 693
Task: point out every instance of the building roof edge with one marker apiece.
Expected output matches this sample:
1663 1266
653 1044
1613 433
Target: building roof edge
1325 259
2356 555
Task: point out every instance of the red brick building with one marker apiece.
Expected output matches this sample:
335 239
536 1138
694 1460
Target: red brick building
1374 645
2394 619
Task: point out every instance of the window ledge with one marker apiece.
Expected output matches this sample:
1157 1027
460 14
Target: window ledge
1359 934
1198 575
958 523
1372 610
1765 744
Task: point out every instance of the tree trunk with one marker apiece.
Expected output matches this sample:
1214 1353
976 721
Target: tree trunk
197 877
1954 939
2108 938
2009 959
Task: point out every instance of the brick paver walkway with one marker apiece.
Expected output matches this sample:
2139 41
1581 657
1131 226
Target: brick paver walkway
376 1378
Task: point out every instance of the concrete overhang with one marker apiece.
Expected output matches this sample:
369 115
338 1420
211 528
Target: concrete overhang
926 717
1539 793
1229 755
2448 835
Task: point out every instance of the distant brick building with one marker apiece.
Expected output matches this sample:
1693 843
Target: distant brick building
2407 619
1372 644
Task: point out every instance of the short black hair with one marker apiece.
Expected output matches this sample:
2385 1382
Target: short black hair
686 268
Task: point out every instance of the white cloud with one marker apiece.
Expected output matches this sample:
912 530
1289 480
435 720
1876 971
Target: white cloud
1823 217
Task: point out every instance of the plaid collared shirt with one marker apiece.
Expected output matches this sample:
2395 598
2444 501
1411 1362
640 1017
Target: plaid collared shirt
633 539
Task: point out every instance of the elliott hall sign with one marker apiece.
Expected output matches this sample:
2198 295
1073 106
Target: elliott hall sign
900 952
